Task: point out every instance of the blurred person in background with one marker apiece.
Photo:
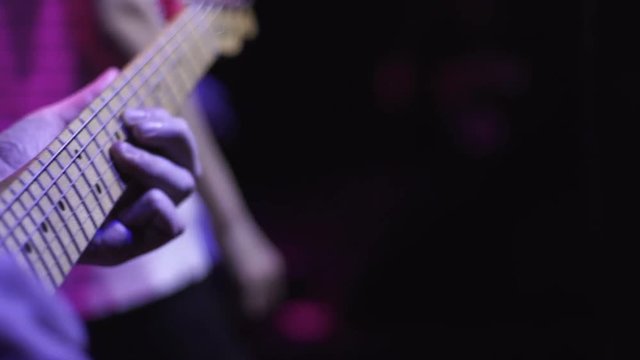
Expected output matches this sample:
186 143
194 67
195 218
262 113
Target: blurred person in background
444 207
173 303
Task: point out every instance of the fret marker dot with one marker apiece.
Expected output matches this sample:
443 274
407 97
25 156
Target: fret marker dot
79 154
61 205
28 248
44 227
118 136
99 188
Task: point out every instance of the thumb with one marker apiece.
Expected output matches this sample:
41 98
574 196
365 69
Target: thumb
68 109
26 138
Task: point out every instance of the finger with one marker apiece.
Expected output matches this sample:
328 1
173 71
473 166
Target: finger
154 215
147 224
157 129
153 171
69 108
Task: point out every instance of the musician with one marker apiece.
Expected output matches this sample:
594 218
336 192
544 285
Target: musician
119 301
33 326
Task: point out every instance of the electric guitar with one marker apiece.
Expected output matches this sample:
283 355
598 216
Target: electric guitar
52 210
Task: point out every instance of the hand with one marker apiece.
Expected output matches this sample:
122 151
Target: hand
28 137
161 169
146 217
34 325
256 265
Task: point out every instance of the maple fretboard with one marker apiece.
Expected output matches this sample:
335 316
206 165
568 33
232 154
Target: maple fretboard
50 213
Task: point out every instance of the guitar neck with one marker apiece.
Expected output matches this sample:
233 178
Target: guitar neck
50 213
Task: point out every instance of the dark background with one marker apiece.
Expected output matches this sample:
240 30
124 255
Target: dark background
432 172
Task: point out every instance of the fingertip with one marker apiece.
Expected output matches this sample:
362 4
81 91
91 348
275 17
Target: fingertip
108 75
114 234
134 116
123 149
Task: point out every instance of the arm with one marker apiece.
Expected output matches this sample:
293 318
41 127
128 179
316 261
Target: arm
162 169
34 325
254 261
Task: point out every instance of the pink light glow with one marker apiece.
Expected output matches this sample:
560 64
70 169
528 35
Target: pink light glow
305 321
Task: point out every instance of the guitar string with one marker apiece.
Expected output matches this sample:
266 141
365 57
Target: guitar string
17 195
100 153
41 252
107 124
20 222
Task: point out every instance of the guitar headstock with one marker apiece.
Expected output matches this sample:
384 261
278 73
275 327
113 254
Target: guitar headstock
234 22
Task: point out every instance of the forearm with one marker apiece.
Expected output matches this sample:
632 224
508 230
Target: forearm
217 184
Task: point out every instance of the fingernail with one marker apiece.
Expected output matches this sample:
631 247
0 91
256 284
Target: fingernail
134 116
114 234
126 149
148 128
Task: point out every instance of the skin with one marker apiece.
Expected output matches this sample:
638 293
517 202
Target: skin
34 325
146 217
255 263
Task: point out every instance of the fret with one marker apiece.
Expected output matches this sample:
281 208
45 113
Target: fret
83 187
107 94
15 188
18 209
113 128
95 106
55 169
30 260
199 34
169 72
51 211
42 261
95 125
44 211
169 98
84 117
114 183
39 213
58 221
113 116
92 149
77 124
102 139
72 227
185 81
65 136
4 231
97 191
189 71
38 233
194 52
55 257
9 217
34 168
15 249
74 198
77 172
96 172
